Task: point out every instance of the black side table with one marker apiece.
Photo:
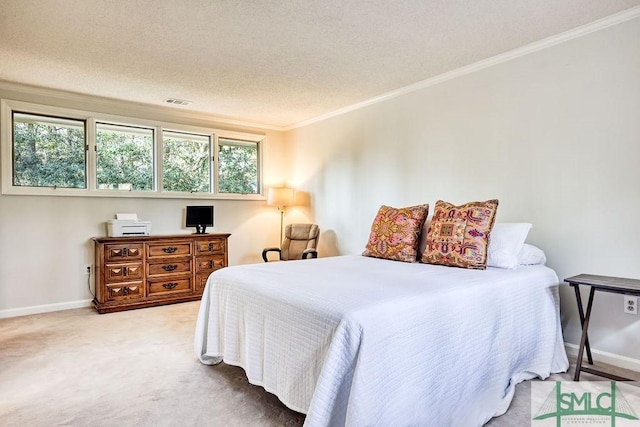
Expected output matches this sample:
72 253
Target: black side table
615 285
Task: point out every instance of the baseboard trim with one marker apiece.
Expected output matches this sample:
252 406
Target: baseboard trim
606 357
46 308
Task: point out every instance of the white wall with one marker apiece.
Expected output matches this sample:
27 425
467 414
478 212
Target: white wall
45 241
554 135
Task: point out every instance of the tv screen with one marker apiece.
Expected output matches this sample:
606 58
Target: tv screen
199 217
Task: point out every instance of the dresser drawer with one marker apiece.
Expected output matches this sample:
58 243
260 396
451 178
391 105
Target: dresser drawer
121 252
169 286
123 272
163 250
201 282
124 291
209 264
169 267
214 246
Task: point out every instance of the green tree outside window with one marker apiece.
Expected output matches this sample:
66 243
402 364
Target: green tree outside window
237 166
124 157
48 152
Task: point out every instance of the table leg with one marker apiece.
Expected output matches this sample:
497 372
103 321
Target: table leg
583 340
581 314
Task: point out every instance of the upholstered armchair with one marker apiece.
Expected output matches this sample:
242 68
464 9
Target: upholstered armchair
300 242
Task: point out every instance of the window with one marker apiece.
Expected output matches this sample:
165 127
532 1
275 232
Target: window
186 162
48 152
237 166
124 157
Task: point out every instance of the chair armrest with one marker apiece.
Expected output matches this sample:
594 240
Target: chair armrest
264 253
307 252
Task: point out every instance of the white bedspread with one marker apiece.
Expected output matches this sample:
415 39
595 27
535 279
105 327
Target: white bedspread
361 341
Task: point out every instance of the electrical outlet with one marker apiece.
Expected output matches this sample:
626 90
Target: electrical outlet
88 269
630 305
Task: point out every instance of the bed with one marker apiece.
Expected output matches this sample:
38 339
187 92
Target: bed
355 340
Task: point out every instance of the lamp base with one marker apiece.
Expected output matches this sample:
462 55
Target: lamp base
281 209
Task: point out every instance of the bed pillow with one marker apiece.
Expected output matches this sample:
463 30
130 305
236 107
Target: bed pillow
532 255
458 236
395 233
505 247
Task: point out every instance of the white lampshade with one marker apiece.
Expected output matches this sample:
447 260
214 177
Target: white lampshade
280 196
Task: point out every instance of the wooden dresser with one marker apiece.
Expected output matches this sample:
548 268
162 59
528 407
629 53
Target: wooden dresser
145 271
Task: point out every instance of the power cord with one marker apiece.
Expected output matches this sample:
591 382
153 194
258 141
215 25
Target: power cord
89 282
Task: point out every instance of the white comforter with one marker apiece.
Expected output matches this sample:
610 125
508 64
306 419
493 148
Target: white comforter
361 341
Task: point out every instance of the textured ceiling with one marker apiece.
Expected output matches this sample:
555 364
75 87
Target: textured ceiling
275 62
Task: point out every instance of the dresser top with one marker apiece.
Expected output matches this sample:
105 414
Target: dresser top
159 237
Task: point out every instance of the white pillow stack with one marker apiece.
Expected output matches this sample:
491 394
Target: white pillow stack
506 244
532 255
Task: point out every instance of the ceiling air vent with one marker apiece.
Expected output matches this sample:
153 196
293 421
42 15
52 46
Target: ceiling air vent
174 101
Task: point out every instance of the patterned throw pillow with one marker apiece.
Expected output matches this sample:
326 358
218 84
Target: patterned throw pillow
395 233
459 235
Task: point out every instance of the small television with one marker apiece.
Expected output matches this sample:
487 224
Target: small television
199 217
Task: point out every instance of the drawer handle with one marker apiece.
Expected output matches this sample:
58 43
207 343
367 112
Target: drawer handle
169 267
210 264
169 285
129 290
210 247
170 249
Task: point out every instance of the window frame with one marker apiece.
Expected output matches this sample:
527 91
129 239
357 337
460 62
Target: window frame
240 142
153 130
212 145
45 118
91 119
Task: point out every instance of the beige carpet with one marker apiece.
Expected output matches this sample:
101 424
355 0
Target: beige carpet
137 368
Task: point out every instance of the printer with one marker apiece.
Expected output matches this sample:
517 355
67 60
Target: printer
126 224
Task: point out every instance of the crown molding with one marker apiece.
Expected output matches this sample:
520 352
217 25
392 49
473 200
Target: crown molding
574 33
